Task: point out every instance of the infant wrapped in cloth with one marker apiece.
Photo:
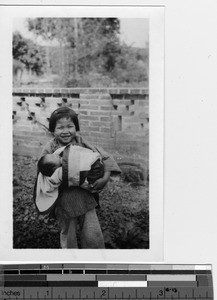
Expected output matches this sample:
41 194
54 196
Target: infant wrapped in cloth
71 165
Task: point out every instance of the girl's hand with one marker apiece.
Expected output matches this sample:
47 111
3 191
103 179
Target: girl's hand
101 182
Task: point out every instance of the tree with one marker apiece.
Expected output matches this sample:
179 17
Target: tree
89 52
132 66
28 53
88 43
20 46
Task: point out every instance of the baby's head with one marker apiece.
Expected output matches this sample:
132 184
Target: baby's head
49 163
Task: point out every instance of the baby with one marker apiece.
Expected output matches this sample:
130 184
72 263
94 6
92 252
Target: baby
86 174
49 163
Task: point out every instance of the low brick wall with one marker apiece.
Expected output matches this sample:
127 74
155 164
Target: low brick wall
116 119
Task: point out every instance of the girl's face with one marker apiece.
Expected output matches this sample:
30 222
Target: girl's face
65 131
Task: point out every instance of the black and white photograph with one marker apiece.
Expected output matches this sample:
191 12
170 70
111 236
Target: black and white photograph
132 84
81 116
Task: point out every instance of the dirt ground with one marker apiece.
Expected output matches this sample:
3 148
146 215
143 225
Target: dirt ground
123 213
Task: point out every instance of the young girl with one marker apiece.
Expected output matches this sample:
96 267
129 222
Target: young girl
76 205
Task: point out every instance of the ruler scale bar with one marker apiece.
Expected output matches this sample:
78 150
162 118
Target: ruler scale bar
173 283
121 278
24 277
144 272
95 272
105 281
71 277
171 277
72 271
50 271
30 271
122 283
10 272
115 268
57 292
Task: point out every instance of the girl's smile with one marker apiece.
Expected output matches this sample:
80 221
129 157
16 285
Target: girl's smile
65 130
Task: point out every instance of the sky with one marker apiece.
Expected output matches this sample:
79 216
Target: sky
133 32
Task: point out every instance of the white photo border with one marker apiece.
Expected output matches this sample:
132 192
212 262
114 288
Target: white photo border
155 15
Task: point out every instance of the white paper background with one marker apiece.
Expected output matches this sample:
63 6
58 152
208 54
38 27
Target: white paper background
190 203
190 182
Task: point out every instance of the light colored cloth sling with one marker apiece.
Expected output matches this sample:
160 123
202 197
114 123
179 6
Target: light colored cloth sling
74 160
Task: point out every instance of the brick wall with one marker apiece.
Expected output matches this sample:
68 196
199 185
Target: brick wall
116 119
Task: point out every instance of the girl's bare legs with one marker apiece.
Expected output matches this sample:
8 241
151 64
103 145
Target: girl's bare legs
68 238
71 235
64 224
91 233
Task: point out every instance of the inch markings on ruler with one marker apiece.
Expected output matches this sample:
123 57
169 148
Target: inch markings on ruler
100 281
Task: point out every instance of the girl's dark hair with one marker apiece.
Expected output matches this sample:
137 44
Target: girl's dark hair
63 112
